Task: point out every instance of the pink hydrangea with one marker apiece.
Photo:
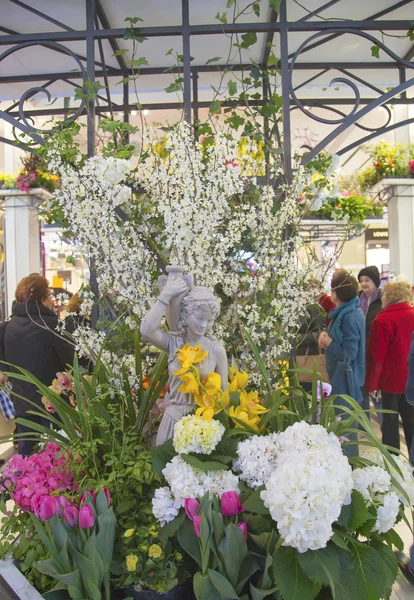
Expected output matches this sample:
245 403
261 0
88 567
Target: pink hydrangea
28 479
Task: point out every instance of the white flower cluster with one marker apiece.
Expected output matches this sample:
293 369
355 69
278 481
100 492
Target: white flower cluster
195 434
374 483
404 477
186 482
257 457
309 486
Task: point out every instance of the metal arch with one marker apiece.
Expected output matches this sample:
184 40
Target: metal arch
339 112
32 91
373 135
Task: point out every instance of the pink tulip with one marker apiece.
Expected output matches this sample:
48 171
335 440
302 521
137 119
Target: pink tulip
197 524
243 528
44 507
108 496
62 503
191 506
230 504
86 517
84 496
71 516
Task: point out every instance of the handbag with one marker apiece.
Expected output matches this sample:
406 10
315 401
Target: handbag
307 361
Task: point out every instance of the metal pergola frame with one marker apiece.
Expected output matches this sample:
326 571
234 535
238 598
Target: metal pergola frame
93 65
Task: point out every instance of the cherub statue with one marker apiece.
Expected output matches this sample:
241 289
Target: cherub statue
199 309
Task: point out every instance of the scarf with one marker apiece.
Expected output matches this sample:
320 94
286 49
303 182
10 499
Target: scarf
336 315
366 302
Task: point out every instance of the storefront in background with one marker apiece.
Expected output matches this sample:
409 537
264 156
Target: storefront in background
63 264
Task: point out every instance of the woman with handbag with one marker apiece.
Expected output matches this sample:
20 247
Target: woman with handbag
307 350
345 344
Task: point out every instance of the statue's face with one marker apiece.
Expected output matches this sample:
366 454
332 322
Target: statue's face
200 321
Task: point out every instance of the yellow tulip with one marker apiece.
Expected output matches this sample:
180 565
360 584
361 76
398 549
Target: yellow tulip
189 385
238 379
212 384
188 356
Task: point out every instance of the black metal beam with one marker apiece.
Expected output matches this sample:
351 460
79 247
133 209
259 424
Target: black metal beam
356 25
106 25
176 30
284 65
269 39
90 68
185 11
41 15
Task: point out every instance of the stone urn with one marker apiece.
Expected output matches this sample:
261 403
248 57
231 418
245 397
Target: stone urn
173 311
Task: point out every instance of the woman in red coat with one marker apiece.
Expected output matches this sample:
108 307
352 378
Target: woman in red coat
387 360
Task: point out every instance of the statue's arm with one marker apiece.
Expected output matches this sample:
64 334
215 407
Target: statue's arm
222 366
151 329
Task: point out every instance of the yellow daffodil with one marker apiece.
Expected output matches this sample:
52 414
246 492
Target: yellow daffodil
242 415
238 379
189 385
212 384
188 356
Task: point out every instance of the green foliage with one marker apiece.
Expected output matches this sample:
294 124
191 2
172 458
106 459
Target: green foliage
352 208
387 160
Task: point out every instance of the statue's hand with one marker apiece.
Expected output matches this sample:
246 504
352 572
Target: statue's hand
173 288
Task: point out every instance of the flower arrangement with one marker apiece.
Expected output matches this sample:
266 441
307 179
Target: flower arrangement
387 160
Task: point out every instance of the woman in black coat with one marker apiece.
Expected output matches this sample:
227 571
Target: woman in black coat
32 342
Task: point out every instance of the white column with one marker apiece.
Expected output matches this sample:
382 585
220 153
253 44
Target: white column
21 237
401 226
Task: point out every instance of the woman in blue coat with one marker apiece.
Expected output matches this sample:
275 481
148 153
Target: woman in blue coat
345 343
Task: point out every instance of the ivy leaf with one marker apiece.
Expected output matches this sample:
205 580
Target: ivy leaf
214 59
120 52
272 60
235 121
230 3
291 581
215 107
175 86
275 4
255 73
132 20
249 39
138 62
410 34
375 50
232 87
321 566
222 17
256 8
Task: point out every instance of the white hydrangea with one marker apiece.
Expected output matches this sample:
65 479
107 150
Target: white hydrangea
256 460
186 482
164 507
374 483
195 434
309 486
387 513
404 478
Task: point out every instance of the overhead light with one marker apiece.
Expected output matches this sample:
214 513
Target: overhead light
134 113
146 112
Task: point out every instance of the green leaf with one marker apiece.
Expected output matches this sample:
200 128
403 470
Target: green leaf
272 60
138 62
208 465
346 587
390 566
249 39
370 576
204 589
258 594
215 107
222 585
360 512
233 549
275 4
189 541
175 86
235 121
393 539
375 50
169 528
255 73
232 87
222 18
161 455
106 536
230 3
290 580
255 504
410 34
214 59
321 566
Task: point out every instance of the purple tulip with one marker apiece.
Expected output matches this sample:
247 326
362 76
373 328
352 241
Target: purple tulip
230 504
191 506
45 507
71 516
108 496
86 517
197 524
62 503
84 496
243 528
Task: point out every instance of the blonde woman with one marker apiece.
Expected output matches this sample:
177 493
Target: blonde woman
387 360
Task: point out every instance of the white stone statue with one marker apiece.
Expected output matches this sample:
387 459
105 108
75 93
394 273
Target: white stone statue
199 309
